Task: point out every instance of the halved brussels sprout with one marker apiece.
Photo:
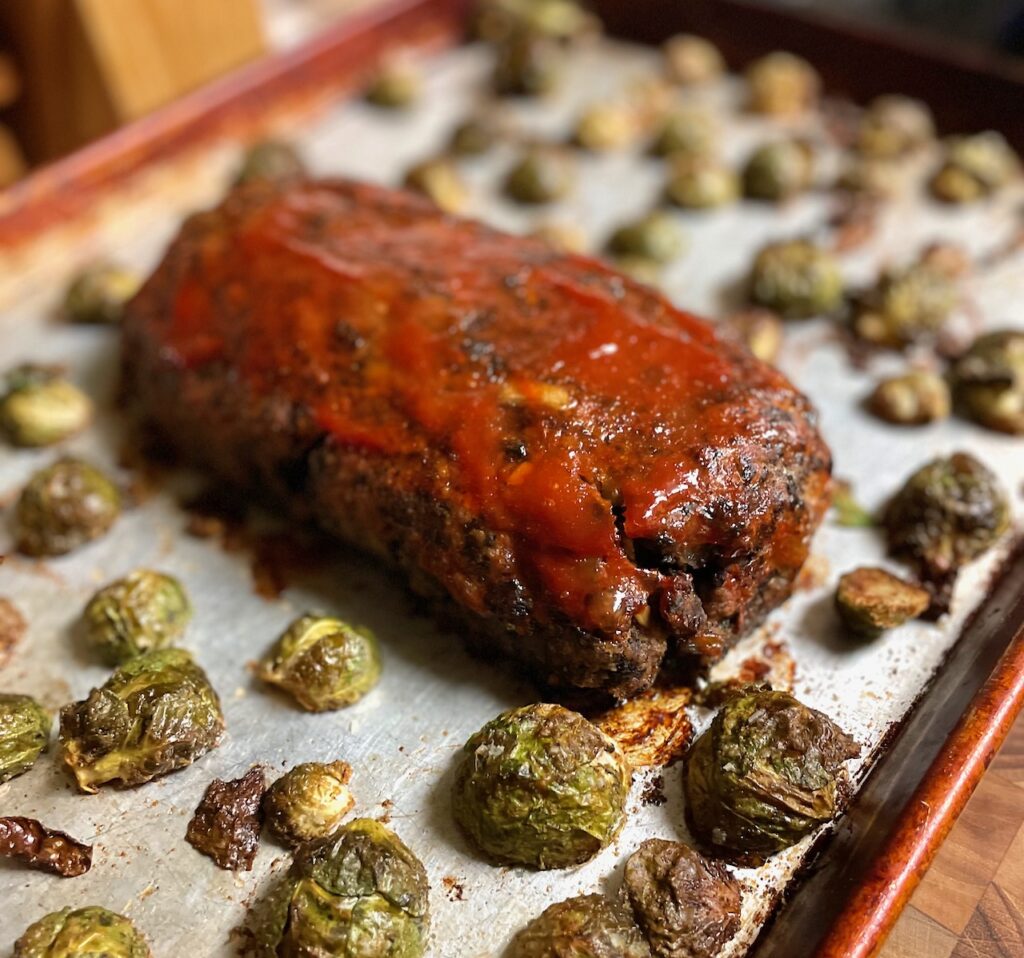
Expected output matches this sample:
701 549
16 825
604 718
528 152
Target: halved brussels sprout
782 84
90 932
397 85
358 893
24 734
766 773
975 167
40 407
541 786
308 801
64 506
145 610
540 176
656 237
870 600
587 926
988 381
699 183
796 279
691 60
687 906
779 171
157 713
913 399
948 512
323 663
97 294
687 132
272 161
439 180
894 125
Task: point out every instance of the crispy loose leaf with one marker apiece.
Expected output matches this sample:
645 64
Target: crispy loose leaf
47 849
226 824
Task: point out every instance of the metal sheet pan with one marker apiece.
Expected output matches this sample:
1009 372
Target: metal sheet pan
403 739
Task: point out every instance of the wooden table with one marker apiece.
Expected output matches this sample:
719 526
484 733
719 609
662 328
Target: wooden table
971 902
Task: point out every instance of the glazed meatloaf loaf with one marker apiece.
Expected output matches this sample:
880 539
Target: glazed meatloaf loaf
586 478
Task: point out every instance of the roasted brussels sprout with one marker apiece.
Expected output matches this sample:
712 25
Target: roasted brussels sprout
542 786
97 294
143 611
541 176
562 20
760 330
564 237
323 663
782 84
870 600
90 932
587 926
988 381
473 137
687 906
605 126
24 734
526 64
948 512
40 407
691 60
767 772
975 167
641 268
893 126
396 86
796 279
870 178
64 506
656 237
913 399
308 801
779 171
157 713
686 132
906 305
701 183
358 893
274 161
440 181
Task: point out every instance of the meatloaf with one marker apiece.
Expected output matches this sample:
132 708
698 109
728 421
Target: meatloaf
587 479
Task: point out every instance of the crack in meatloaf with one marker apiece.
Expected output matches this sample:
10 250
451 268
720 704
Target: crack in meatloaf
586 478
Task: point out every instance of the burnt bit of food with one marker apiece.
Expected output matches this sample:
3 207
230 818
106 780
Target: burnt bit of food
226 824
653 791
12 629
686 905
653 729
45 849
453 888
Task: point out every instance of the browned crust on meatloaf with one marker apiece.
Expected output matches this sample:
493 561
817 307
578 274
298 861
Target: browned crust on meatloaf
585 476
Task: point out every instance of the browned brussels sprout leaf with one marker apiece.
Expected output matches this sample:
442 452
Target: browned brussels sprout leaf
226 823
47 849
90 932
541 786
687 906
155 714
767 772
588 926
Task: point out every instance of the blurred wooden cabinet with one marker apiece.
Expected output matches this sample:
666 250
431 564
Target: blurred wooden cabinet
88 66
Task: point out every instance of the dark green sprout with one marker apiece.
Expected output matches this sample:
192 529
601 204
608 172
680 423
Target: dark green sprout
64 506
157 713
779 171
948 513
540 176
542 786
24 734
323 663
656 237
767 773
796 279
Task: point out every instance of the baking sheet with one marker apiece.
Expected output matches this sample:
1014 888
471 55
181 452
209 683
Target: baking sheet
403 739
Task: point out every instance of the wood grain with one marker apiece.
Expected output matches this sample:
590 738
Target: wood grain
970 904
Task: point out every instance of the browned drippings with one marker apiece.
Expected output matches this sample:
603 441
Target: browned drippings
653 729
